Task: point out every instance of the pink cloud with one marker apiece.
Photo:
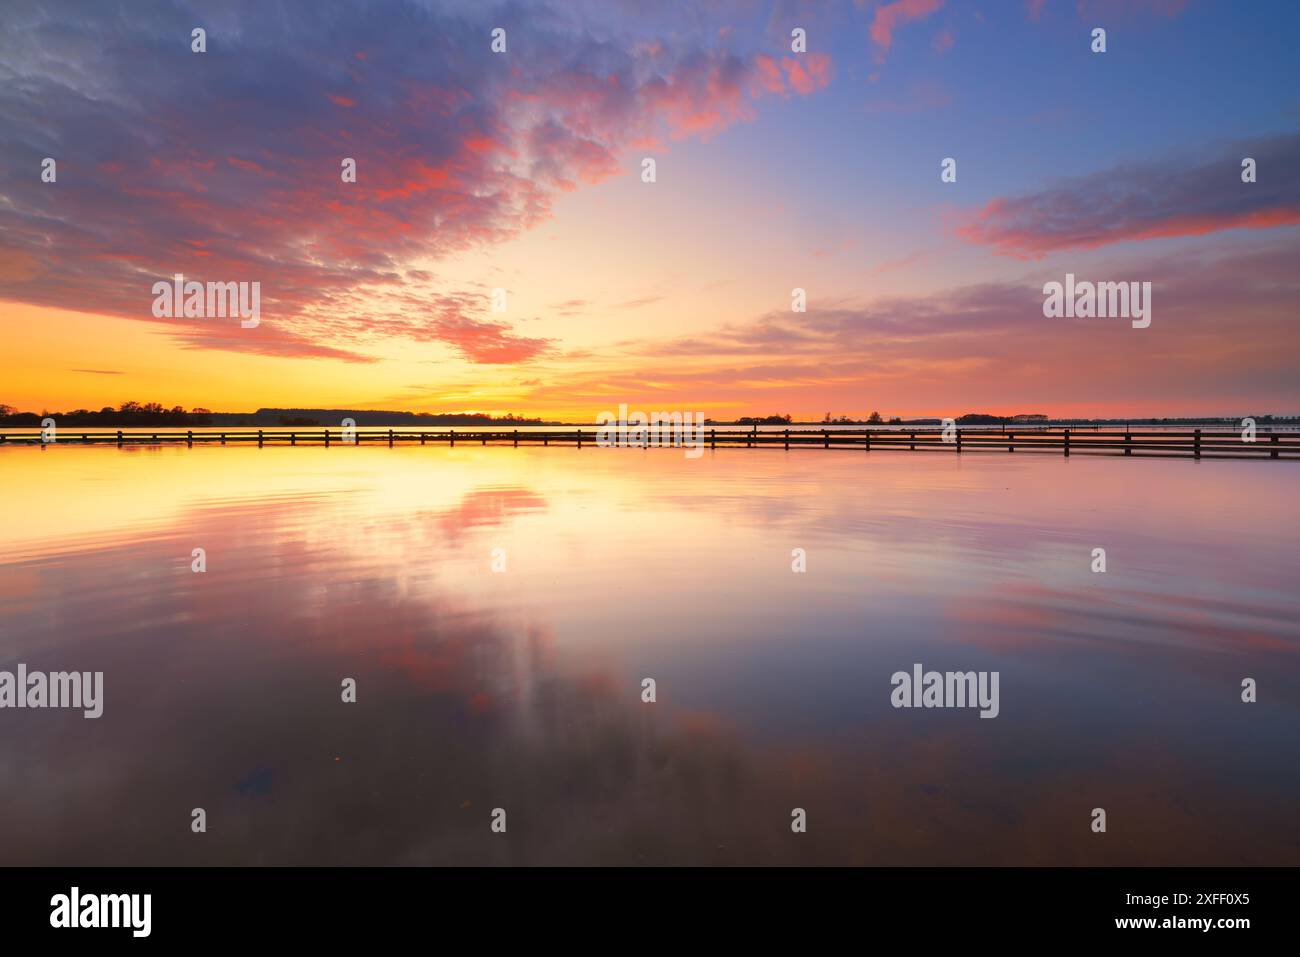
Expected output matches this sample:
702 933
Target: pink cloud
769 74
982 347
810 78
891 16
485 342
1141 202
452 154
990 228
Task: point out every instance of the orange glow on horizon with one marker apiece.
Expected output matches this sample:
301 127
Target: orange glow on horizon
59 361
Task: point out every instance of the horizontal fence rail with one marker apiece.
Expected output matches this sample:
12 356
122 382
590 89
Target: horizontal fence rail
1195 443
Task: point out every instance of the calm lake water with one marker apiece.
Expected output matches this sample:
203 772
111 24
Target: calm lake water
521 689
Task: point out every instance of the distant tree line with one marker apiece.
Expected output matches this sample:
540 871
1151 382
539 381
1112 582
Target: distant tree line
368 417
155 413
754 420
127 414
787 419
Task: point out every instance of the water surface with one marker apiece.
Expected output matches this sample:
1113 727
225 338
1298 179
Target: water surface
522 689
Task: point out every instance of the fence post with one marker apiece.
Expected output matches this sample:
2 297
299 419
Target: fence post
516 438
119 438
958 431
912 435
866 440
451 437
1011 440
327 438
293 438
826 438
787 440
1197 444
1273 442
189 437
1128 443
259 439
1067 443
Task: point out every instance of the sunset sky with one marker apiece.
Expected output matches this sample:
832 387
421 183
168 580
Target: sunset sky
775 170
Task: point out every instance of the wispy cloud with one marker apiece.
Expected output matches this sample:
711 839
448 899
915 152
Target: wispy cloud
1222 318
890 16
570 307
639 302
1146 201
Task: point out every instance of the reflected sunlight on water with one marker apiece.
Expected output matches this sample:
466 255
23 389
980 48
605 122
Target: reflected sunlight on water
522 690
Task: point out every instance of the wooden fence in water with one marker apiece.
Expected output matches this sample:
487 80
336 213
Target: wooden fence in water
1190 443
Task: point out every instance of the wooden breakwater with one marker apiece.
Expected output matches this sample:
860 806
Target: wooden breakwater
1189 443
